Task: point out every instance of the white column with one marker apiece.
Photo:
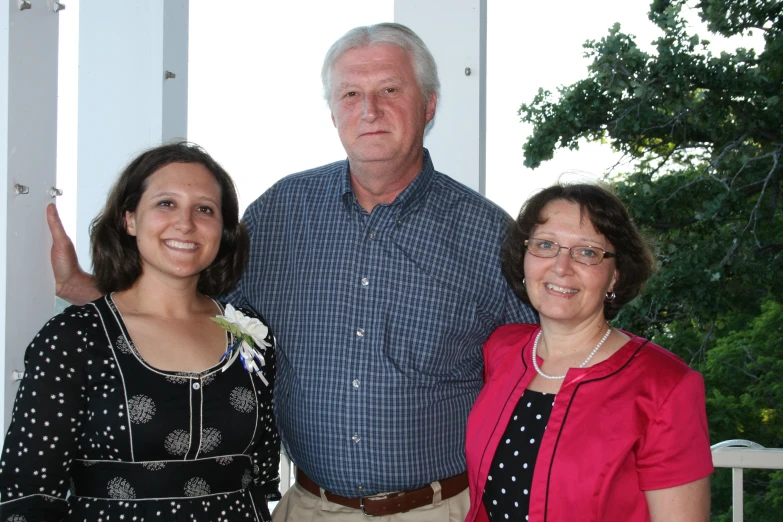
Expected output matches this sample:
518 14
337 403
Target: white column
28 159
455 32
133 81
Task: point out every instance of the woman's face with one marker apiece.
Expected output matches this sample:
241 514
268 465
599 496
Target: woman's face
178 222
560 288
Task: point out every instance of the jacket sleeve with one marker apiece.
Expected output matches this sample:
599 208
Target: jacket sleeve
490 352
509 337
46 425
266 453
675 450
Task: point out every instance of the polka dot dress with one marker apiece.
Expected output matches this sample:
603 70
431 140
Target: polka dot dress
507 492
129 442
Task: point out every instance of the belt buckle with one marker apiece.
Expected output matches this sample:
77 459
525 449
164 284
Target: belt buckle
361 505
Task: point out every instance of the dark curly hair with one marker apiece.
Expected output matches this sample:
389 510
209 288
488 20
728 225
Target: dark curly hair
635 260
115 256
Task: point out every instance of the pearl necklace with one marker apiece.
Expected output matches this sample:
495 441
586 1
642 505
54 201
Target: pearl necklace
555 377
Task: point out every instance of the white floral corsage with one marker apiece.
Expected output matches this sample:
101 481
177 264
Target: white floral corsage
250 334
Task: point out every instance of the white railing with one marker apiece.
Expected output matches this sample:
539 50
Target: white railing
287 470
736 454
740 455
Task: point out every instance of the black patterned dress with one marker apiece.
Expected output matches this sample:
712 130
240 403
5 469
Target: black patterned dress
130 442
507 492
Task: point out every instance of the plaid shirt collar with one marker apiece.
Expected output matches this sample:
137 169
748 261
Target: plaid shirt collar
406 200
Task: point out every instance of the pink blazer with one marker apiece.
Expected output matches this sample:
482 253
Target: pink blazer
631 423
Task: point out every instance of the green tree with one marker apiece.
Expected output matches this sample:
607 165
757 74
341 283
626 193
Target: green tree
747 403
706 135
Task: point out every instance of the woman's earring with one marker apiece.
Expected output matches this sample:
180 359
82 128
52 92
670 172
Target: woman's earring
524 282
610 296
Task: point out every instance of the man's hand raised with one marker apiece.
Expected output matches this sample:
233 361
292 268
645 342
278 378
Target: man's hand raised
71 282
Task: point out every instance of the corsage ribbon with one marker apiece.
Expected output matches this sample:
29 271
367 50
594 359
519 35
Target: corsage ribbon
250 335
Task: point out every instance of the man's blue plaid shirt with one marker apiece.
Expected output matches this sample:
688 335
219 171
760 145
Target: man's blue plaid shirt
380 318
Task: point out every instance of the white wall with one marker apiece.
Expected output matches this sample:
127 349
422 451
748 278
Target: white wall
455 32
28 148
5 37
255 97
126 104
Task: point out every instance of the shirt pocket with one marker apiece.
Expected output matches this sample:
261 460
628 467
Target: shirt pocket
432 331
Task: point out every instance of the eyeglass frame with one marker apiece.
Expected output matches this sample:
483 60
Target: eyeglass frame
606 255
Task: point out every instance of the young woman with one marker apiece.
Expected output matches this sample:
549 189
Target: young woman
127 403
578 420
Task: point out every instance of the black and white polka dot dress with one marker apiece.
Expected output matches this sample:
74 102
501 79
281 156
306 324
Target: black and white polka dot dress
130 442
507 492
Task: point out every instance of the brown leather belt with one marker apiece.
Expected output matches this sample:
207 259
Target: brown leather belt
390 503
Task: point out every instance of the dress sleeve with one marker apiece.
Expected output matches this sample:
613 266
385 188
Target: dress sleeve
47 421
266 453
676 448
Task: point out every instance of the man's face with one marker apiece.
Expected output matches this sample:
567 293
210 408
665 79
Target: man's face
377 105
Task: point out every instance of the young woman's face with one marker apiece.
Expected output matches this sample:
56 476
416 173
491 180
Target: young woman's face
178 222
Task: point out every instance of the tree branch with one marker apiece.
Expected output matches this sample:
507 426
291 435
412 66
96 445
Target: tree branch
669 226
746 372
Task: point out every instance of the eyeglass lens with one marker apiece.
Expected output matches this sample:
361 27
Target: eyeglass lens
587 255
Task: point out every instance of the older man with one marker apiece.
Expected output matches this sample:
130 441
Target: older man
381 278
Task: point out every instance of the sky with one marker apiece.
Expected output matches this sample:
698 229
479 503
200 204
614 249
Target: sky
255 99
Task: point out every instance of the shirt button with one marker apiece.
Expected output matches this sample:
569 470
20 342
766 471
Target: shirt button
356 438
355 383
365 281
196 386
360 332
360 486
371 235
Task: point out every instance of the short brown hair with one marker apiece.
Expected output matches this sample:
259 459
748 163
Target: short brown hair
115 256
635 260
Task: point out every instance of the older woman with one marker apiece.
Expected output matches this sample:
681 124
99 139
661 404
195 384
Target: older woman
578 420
129 409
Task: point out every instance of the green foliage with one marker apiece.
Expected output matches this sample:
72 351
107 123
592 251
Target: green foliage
745 397
706 136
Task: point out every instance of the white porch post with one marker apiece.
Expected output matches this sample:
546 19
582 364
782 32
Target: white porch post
28 151
133 85
456 33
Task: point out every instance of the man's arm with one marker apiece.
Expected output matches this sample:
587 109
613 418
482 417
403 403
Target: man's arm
71 282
